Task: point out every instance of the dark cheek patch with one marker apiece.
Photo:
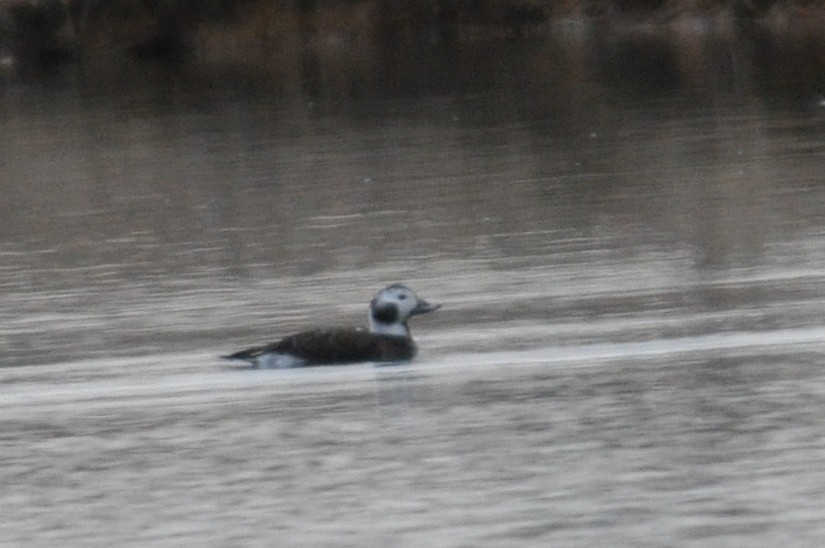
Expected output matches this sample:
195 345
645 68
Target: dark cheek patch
387 313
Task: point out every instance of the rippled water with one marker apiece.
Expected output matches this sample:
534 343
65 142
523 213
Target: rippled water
629 351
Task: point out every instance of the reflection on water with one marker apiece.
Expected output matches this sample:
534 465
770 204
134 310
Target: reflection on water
127 226
632 288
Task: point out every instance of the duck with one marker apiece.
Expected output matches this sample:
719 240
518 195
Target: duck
388 338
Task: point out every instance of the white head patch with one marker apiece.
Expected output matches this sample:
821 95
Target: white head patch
392 307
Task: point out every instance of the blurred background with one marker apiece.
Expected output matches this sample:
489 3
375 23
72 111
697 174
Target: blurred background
619 204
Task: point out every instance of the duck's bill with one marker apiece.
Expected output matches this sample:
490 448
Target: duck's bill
423 307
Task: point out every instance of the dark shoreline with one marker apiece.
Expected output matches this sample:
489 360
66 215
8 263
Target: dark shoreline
363 48
49 32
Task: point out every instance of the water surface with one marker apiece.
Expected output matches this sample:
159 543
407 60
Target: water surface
628 354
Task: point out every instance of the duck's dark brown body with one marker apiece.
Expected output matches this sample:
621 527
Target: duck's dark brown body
336 346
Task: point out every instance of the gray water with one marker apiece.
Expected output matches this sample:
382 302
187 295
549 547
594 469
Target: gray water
629 351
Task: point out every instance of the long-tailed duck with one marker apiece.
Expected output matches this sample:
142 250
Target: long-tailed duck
387 340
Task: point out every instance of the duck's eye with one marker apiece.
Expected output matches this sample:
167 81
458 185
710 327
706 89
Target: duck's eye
402 297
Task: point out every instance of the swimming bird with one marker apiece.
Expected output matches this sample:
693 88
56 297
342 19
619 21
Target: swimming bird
387 340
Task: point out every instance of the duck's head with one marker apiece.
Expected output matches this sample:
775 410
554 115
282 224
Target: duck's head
393 306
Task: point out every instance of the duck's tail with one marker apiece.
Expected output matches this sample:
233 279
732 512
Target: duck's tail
250 355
